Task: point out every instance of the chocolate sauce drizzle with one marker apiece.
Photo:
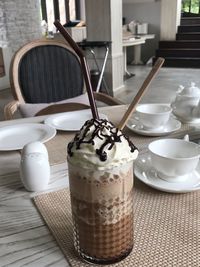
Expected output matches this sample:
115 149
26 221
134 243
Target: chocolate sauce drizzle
110 140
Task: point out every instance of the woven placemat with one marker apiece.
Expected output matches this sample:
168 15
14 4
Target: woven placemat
167 227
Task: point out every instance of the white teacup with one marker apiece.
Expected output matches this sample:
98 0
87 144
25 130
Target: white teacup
153 116
174 159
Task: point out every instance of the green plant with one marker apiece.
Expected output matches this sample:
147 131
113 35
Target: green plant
191 6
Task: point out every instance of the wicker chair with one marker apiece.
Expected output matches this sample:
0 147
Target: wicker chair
46 77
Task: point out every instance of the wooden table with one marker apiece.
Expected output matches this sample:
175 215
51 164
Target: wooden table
24 238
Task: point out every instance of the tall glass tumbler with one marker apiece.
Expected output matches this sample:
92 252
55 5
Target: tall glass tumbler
102 212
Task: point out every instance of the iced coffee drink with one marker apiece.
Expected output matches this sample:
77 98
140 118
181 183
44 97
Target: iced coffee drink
100 162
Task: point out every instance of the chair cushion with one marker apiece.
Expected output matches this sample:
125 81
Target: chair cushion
29 110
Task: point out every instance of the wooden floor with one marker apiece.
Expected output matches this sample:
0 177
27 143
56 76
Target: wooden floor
166 83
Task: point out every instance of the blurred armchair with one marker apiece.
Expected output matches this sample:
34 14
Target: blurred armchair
46 77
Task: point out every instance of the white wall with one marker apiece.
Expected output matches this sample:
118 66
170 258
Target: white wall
21 21
145 11
19 24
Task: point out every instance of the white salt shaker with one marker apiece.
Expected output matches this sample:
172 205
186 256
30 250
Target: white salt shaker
33 147
34 167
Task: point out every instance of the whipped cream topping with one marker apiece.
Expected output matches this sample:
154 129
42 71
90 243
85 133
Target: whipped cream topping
101 144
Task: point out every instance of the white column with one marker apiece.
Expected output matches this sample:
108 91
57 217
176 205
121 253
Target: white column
104 23
170 19
82 9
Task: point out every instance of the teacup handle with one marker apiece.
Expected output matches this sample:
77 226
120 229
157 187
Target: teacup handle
135 116
187 138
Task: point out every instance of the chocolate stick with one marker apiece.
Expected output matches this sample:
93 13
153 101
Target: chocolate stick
84 65
141 92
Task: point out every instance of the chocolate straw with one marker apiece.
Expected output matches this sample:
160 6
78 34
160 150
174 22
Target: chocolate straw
84 65
140 93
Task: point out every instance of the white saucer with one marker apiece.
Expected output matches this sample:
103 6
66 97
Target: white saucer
146 173
171 126
185 114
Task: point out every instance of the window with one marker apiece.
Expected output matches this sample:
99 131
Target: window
63 10
191 6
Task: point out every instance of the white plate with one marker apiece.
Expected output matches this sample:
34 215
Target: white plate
184 114
171 126
14 137
70 121
146 173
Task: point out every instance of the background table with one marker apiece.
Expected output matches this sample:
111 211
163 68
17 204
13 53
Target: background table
136 41
130 42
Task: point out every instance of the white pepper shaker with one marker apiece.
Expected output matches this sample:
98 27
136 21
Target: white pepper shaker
34 167
33 147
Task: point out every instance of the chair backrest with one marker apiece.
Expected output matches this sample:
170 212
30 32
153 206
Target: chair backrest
44 72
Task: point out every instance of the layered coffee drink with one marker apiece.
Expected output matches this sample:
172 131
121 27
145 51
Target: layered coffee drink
100 160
